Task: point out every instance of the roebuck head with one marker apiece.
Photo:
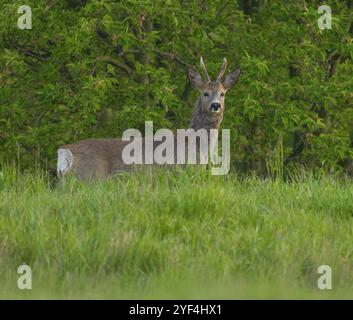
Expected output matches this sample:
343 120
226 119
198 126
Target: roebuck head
212 92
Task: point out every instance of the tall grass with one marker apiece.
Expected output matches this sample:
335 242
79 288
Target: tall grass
175 234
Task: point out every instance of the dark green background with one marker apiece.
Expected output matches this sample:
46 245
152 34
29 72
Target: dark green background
95 68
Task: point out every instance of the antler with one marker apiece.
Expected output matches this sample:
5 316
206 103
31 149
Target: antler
203 67
223 69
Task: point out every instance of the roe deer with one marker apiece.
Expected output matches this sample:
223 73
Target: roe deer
102 157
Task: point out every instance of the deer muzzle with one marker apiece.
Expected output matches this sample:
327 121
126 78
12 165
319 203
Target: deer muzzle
215 107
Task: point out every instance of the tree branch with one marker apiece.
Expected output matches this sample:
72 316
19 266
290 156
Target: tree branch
26 51
115 63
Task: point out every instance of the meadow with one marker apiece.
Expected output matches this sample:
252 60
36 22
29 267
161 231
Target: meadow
175 234
77 69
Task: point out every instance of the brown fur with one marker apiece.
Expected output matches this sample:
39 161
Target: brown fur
99 158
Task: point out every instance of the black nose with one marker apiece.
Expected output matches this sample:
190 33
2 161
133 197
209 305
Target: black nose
215 106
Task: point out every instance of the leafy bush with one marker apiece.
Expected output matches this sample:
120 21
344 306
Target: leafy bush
95 68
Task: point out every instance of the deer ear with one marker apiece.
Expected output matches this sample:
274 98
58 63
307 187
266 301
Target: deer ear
231 79
195 79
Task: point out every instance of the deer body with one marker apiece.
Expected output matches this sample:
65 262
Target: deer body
100 158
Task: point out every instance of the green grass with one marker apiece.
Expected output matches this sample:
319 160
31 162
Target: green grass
182 234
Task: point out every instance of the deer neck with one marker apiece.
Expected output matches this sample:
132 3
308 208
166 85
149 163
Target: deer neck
203 120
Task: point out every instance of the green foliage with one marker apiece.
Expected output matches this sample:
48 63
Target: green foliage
95 68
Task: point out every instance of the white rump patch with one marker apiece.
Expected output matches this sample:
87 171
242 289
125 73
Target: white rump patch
64 164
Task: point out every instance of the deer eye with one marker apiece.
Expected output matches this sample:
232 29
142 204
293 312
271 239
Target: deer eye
222 94
206 94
